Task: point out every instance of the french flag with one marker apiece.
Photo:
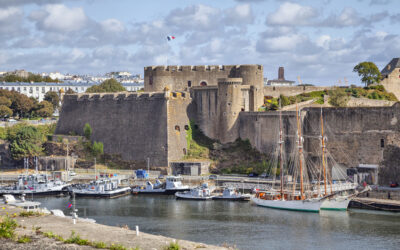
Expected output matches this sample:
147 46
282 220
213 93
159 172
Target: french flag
170 38
69 205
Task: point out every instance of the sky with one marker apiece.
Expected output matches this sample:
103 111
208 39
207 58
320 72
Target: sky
319 41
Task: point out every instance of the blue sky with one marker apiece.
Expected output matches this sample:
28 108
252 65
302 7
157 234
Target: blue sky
319 40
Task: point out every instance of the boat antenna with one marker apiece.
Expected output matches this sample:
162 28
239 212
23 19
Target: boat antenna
280 147
300 146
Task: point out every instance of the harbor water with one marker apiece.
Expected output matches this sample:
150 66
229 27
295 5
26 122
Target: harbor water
239 224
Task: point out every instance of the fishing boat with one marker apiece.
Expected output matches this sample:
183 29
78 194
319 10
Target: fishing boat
201 193
103 188
231 194
35 184
172 185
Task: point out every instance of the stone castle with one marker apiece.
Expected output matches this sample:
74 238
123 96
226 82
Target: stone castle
223 102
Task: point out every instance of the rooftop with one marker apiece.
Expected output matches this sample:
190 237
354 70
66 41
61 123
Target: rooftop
394 63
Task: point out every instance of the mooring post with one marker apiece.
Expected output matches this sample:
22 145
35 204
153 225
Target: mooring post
137 230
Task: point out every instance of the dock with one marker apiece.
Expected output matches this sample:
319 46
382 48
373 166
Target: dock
376 204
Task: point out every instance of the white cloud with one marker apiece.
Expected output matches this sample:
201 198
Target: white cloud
292 14
113 26
10 22
59 18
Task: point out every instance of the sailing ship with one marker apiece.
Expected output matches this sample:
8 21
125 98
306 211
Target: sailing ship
290 198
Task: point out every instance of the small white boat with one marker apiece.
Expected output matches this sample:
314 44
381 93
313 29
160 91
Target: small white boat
338 203
24 204
157 188
201 193
174 184
231 194
106 188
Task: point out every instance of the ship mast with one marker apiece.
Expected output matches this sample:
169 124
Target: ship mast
323 153
300 146
280 148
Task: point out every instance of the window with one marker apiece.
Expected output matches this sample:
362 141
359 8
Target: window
37 88
203 83
13 88
150 80
186 127
382 143
24 88
43 90
189 83
19 89
177 128
184 151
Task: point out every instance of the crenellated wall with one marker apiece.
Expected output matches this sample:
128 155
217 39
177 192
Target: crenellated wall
136 126
182 78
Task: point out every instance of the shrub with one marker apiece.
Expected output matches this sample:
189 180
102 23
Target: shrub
117 247
100 245
7 227
76 239
87 131
97 148
172 246
24 239
338 98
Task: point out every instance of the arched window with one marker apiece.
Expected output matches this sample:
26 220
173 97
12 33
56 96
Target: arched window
186 127
203 83
177 128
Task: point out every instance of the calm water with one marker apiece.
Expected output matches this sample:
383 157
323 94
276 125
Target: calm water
241 224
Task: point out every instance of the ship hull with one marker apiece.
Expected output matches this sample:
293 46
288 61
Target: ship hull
336 204
296 205
109 195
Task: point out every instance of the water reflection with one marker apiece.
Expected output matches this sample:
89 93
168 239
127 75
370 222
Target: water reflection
241 224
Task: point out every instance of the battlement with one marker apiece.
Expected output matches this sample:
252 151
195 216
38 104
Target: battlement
126 96
201 68
230 81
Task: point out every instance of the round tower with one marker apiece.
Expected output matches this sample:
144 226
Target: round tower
229 106
157 78
253 75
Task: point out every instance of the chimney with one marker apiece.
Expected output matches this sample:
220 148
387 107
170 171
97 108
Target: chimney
281 73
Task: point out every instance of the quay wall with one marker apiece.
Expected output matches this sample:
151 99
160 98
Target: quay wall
276 91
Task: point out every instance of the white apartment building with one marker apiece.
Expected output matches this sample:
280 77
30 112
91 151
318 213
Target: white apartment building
39 89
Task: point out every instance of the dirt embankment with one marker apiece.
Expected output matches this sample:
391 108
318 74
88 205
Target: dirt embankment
35 227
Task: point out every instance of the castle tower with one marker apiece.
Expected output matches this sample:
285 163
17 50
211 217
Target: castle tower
229 107
253 75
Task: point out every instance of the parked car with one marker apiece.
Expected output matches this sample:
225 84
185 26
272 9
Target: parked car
264 175
253 175
394 184
213 177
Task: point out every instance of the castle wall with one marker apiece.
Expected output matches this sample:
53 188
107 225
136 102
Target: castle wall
178 124
133 125
391 82
362 135
276 91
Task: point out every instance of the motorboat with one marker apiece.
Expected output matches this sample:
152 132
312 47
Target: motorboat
103 188
231 194
174 184
150 188
35 184
9 199
201 193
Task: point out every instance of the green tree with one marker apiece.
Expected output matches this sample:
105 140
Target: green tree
368 72
45 109
5 101
338 97
97 148
5 111
53 98
110 85
87 131
27 141
70 91
21 104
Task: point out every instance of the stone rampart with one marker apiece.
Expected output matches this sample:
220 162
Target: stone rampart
276 91
133 125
